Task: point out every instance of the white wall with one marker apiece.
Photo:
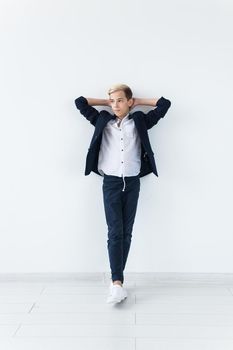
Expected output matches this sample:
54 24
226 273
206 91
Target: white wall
52 216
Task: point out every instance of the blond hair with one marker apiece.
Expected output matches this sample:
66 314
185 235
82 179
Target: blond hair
122 87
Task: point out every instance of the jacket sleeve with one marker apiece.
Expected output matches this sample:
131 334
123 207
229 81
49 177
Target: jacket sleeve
89 112
153 116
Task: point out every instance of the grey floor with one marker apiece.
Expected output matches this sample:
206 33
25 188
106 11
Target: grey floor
162 312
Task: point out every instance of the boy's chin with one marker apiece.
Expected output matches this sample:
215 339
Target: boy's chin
121 115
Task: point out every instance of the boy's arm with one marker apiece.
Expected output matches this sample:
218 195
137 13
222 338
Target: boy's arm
97 101
85 107
145 101
152 117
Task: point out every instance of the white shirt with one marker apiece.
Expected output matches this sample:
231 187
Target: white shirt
120 150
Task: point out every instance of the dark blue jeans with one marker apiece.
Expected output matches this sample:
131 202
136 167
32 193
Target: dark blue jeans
120 210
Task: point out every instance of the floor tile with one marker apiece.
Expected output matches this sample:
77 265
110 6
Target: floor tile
167 331
200 319
182 290
85 318
71 343
183 299
6 308
8 330
191 344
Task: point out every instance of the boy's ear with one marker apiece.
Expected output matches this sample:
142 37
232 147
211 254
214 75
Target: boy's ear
130 102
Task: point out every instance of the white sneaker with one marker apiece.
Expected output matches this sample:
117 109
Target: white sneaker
110 287
116 294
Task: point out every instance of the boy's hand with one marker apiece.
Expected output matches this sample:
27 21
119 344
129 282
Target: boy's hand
108 103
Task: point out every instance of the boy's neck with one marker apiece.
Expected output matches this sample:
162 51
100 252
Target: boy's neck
122 117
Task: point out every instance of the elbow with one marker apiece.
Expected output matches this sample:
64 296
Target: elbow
163 102
80 101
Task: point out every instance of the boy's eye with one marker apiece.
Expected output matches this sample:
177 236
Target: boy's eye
120 100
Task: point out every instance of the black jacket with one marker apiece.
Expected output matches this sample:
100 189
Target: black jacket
143 122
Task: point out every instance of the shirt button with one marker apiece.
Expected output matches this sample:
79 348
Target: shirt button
122 162
122 150
121 139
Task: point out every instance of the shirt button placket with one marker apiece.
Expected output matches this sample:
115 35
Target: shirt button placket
122 153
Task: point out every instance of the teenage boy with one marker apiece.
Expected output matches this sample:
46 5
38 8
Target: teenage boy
120 151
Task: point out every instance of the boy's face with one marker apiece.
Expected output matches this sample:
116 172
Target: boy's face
119 103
